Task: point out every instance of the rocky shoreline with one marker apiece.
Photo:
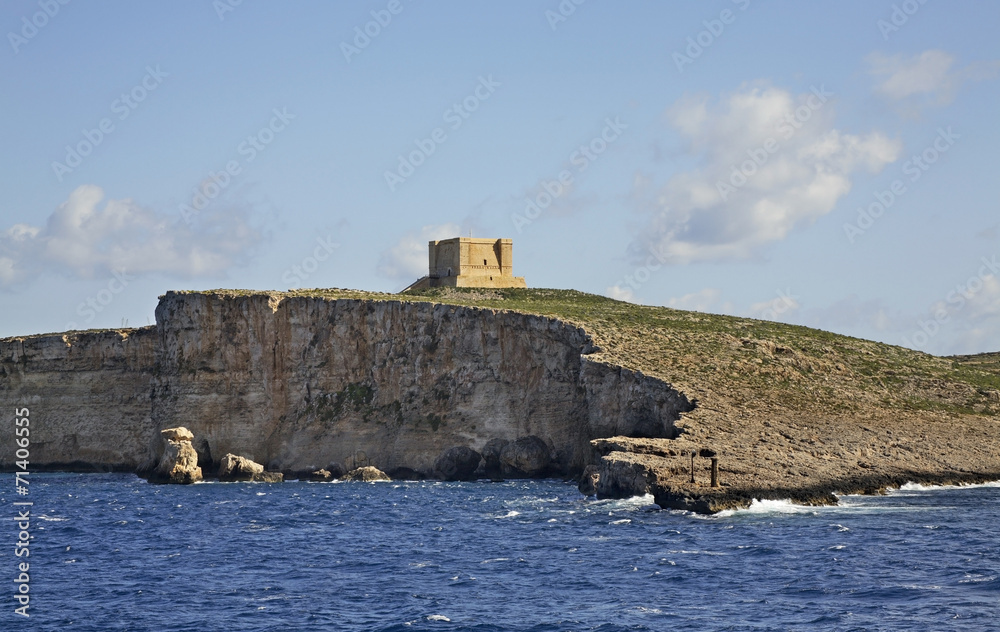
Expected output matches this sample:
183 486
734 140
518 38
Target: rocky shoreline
626 468
807 468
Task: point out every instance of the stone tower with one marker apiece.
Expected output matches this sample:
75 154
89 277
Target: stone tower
470 262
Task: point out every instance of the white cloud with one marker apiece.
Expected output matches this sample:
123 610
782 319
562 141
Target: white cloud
780 308
706 300
854 314
407 258
81 239
929 75
616 292
770 162
972 323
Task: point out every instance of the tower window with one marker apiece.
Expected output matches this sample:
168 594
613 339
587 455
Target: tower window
484 262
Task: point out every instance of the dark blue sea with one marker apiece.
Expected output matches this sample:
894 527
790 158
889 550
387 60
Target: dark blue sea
111 552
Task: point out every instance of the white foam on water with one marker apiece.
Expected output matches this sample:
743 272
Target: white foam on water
633 503
622 521
52 518
919 487
697 552
644 610
920 587
976 578
438 617
767 507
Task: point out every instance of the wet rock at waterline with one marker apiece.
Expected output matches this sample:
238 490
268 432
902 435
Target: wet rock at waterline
366 474
457 464
234 468
528 456
589 479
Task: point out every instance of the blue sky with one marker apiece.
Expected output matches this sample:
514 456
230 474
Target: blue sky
831 164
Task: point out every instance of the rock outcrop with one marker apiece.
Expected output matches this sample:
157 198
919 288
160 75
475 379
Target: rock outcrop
366 474
233 468
457 464
178 462
321 476
528 456
589 479
492 467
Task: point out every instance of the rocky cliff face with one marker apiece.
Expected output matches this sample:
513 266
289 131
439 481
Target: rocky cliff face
88 396
300 382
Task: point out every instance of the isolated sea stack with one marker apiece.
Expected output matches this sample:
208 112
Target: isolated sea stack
179 463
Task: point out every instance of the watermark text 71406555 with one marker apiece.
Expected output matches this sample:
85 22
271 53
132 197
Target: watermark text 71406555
22 508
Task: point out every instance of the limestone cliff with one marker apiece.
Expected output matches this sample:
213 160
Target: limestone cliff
297 382
88 393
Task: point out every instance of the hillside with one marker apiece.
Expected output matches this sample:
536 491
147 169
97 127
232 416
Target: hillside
790 411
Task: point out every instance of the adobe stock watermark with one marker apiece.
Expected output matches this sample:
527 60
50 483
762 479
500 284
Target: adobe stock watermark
454 116
31 27
94 305
758 156
642 273
901 14
22 507
364 35
784 302
702 40
563 11
123 106
216 182
580 160
954 302
914 168
296 274
222 7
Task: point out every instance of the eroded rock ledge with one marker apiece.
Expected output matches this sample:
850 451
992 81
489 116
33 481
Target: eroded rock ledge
630 467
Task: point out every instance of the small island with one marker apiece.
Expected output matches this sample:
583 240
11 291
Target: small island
455 380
